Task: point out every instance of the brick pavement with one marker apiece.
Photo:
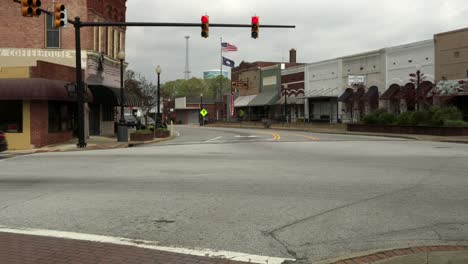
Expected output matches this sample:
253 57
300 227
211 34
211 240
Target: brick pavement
28 249
388 255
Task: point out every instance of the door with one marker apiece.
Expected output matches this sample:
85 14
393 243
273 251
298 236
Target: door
94 118
193 117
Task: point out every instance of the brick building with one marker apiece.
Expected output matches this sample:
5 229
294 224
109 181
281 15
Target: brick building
451 69
258 88
35 54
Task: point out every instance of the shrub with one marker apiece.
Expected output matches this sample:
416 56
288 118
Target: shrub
443 114
405 119
145 131
455 123
379 117
422 117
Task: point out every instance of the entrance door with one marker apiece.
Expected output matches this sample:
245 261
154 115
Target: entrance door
94 117
193 117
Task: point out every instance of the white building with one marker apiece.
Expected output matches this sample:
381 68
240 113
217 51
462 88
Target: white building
323 86
401 61
363 79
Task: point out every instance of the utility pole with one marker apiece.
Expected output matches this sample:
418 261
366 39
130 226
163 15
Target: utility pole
187 66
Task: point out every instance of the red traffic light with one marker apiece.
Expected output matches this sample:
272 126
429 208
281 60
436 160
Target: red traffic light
205 19
255 20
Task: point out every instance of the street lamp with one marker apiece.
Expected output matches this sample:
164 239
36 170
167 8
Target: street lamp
416 79
285 103
122 130
158 113
202 123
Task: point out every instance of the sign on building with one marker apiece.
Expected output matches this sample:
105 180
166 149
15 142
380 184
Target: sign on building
357 79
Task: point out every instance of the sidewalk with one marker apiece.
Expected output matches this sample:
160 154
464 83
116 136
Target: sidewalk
29 249
341 129
413 255
94 143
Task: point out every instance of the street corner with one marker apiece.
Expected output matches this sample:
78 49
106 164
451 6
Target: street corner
32 249
410 255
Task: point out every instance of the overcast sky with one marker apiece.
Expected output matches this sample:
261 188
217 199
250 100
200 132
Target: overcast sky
324 29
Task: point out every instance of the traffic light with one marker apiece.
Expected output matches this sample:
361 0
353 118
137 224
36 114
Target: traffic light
59 16
205 26
30 8
255 26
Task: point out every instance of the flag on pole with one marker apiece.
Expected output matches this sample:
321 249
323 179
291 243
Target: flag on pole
226 47
228 62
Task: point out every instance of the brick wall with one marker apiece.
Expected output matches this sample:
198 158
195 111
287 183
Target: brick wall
39 123
53 71
40 135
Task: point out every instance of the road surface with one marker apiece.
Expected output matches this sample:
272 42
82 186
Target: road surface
265 192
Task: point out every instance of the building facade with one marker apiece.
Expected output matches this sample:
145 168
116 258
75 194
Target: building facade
292 93
323 86
34 42
401 62
451 69
363 79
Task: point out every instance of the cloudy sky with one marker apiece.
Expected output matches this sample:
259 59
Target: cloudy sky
324 29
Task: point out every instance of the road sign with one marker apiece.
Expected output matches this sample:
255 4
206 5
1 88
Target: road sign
241 113
239 84
203 112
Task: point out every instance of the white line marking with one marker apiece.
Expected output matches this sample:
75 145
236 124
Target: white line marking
213 139
246 136
236 256
177 134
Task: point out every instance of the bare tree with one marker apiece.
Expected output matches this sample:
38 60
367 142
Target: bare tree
144 90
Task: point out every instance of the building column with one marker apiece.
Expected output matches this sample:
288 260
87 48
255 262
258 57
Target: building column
306 110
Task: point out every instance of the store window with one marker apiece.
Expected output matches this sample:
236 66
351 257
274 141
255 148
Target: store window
11 116
60 118
52 34
108 113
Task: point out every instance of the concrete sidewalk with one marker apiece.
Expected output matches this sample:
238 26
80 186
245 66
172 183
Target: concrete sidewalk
94 143
341 129
413 255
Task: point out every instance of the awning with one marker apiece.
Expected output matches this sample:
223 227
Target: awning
36 89
359 94
293 100
268 98
111 96
372 93
391 92
243 101
130 98
347 95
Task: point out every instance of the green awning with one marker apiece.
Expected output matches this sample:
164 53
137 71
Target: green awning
267 98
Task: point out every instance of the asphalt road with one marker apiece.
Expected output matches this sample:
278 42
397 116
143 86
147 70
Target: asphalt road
265 192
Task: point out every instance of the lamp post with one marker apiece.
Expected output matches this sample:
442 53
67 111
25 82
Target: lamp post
202 123
285 103
158 111
122 130
416 79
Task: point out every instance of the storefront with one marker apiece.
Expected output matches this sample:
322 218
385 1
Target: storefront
37 112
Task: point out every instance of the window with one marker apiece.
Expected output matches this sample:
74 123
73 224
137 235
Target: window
52 34
108 113
11 116
456 54
60 119
110 44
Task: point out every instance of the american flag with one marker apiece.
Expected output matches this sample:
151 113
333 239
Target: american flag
226 47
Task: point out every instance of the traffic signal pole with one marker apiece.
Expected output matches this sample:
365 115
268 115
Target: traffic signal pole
78 24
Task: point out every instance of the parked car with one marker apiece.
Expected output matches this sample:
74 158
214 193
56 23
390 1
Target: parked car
149 122
3 142
130 120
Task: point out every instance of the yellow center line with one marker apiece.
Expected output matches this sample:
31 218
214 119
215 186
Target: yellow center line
275 136
304 136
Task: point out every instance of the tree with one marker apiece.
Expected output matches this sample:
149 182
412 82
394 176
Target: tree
144 90
195 86
219 86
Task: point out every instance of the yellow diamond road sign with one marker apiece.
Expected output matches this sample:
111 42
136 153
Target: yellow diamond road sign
203 112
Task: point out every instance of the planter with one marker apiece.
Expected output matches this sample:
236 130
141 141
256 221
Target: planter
413 130
163 134
141 136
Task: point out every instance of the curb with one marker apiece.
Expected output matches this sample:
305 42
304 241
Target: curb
387 254
327 132
139 143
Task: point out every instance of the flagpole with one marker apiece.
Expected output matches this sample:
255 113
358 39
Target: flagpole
221 68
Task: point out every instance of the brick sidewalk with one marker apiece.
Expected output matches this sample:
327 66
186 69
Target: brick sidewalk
27 249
